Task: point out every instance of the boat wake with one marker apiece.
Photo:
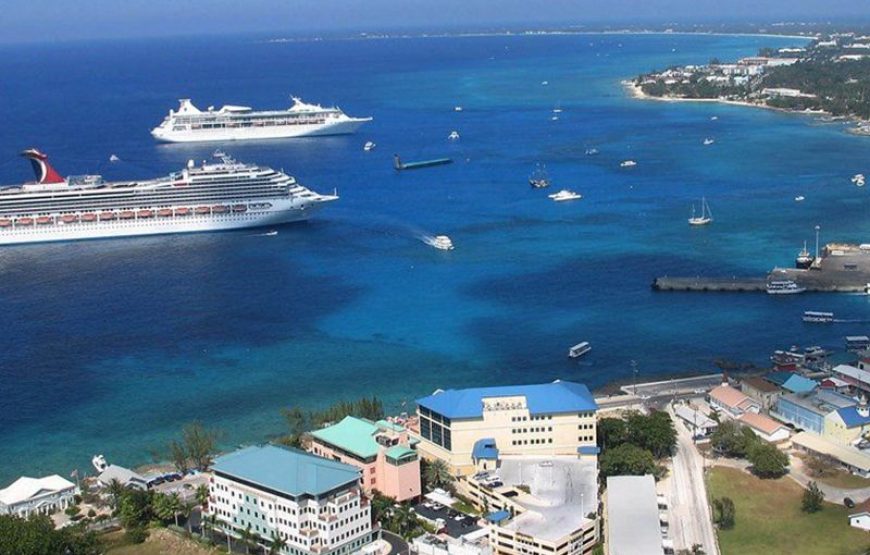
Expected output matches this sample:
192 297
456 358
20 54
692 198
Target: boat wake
270 233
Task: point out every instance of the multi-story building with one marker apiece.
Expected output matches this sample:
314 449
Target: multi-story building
808 412
314 505
469 428
381 450
37 496
848 425
761 390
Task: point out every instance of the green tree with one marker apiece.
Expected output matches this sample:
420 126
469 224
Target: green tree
403 521
611 432
813 498
627 460
276 544
767 461
654 432
178 454
381 506
200 444
202 495
135 508
724 513
248 538
733 440
436 474
116 489
163 508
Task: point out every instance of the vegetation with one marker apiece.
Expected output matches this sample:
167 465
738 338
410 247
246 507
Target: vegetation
628 460
300 421
436 474
829 472
735 440
632 445
768 518
813 498
397 518
767 460
37 536
724 513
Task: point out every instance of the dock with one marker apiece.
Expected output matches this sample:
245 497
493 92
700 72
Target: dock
719 284
399 165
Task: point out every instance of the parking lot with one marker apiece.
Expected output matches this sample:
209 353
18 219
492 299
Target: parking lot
456 524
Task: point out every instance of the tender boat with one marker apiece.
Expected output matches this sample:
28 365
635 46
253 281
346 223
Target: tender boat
564 195
818 317
579 349
799 198
706 215
457 108
858 179
442 242
99 462
114 158
784 287
714 118
709 141
453 136
591 151
369 146
627 164
539 178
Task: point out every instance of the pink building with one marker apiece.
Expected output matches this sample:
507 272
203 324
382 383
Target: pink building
382 450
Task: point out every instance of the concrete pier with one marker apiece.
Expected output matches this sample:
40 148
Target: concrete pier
733 284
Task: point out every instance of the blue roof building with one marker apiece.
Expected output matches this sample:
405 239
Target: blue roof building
799 384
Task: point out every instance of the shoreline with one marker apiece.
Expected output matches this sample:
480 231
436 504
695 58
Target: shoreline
856 127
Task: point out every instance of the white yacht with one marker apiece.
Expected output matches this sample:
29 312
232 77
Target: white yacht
709 141
564 195
706 215
369 146
99 463
858 179
237 123
800 198
457 108
453 136
627 164
442 242
784 287
579 349
210 196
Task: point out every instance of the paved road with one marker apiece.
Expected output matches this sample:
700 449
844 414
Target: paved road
688 508
398 546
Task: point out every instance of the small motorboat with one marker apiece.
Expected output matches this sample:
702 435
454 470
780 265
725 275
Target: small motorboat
369 146
627 164
858 179
545 83
800 198
114 158
457 108
714 118
564 195
453 136
591 151
709 141
579 349
441 242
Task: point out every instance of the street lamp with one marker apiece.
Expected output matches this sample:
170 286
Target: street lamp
634 374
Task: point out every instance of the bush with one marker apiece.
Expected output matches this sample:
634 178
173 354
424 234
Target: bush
627 459
137 534
767 461
812 499
724 513
92 513
72 510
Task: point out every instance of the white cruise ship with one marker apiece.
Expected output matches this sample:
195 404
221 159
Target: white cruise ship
238 123
212 196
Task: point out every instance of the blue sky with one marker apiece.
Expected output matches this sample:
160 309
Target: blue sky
49 20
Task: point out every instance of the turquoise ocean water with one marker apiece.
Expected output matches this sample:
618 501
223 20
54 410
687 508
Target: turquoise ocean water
110 346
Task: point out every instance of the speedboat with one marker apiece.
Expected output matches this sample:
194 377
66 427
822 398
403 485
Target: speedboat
799 198
545 83
564 195
457 108
554 118
858 179
442 242
454 135
714 118
784 287
579 349
369 146
591 151
706 215
627 164
709 141
114 158
99 462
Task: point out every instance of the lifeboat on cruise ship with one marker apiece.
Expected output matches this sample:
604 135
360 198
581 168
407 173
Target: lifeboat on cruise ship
145 213
5 222
105 216
69 219
240 208
44 220
24 221
182 211
89 217
127 215
165 212
203 209
219 209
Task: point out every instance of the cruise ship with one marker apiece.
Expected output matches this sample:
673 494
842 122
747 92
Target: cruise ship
238 123
217 195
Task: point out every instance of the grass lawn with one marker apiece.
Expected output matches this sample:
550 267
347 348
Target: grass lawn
160 542
770 521
842 479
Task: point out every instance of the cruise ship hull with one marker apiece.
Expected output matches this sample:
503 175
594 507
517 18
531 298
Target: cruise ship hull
280 213
342 127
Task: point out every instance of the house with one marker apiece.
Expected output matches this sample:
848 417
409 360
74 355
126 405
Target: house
761 390
542 420
808 411
799 384
37 496
314 504
848 424
124 476
697 422
731 401
860 520
765 427
857 378
381 450
836 384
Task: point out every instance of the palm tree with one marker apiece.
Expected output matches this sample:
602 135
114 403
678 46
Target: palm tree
437 474
277 544
116 490
202 495
404 521
186 508
163 507
247 537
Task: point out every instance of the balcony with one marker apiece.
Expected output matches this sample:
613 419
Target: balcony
309 532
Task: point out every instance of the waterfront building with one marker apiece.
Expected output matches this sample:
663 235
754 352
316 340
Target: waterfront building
761 390
799 384
633 522
469 428
124 476
858 378
731 401
314 504
848 425
37 496
765 427
808 412
381 450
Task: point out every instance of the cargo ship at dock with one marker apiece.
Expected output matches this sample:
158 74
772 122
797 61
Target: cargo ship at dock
219 195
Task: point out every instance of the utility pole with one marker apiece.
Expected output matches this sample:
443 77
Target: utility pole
634 374
817 242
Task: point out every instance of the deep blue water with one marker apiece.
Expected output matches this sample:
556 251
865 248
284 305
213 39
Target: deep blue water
110 346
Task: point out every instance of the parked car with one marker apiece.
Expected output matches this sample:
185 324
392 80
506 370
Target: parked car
849 503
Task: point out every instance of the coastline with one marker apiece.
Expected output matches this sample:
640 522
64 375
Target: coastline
857 127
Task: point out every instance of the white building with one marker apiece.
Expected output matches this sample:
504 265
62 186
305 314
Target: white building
42 496
860 520
697 422
476 543
314 504
633 523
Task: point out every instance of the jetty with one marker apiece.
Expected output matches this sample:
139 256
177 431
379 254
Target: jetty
399 165
720 284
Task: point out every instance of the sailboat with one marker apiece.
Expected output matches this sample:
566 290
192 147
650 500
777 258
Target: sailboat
706 215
